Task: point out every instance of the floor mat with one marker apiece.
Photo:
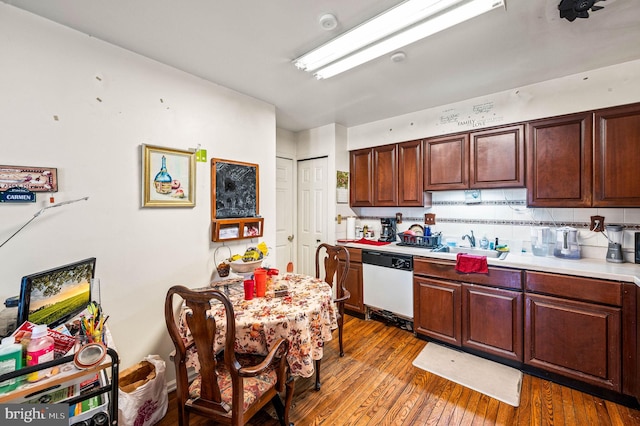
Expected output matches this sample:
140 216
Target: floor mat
490 378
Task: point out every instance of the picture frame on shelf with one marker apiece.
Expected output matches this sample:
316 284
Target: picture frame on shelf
168 177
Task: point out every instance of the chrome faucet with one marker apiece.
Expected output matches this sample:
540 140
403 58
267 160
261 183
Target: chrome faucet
472 239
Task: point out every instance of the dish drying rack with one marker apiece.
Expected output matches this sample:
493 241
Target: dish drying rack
432 241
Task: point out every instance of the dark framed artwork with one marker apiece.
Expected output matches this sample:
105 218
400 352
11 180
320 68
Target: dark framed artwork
234 189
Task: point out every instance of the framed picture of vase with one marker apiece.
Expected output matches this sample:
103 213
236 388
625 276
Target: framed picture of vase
168 177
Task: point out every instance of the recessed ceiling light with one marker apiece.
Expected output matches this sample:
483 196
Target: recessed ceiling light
328 22
398 57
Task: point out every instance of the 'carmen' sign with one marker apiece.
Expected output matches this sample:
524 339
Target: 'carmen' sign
17 195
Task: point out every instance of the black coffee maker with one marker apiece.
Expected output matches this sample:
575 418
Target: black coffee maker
388 232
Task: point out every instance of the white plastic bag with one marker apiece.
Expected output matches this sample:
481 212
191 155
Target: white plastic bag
147 404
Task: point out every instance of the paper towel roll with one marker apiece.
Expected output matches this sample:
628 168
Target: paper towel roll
351 228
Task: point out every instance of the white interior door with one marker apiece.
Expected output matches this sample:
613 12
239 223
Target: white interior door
284 213
312 211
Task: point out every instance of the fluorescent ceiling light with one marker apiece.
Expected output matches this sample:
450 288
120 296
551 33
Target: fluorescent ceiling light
333 57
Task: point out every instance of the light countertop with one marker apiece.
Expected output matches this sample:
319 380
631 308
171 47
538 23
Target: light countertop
586 267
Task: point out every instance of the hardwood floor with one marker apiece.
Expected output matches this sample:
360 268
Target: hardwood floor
375 383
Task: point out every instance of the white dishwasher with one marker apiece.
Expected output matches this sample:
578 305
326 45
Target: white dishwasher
387 282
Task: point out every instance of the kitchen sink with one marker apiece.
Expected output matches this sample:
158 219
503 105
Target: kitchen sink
493 254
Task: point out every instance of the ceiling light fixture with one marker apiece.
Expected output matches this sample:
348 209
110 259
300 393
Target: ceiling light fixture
401 25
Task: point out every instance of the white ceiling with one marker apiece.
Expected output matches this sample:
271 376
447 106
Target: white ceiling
248 45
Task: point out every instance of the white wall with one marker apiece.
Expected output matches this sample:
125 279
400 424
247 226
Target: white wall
328 141
503 214
610 86
51 71
285 144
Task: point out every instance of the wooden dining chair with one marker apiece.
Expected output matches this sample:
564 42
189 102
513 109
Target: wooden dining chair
230 388
335 260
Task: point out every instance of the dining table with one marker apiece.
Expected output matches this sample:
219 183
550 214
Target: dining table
296 307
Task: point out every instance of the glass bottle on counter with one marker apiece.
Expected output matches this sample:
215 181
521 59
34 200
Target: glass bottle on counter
163 179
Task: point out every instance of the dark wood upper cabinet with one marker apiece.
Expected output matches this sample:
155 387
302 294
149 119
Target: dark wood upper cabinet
496 158
410 176
388 176
446 162
361 178
385 175
559 161
616 157
492 158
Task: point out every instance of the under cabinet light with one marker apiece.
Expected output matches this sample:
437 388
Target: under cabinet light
404 24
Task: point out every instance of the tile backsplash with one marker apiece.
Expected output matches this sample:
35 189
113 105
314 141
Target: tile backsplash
503 214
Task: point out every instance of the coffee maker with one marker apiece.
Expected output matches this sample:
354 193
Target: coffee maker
388 232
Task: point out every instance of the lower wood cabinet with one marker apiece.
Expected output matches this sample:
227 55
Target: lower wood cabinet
436 309
354 281
462 313
581 328
492 321
576 339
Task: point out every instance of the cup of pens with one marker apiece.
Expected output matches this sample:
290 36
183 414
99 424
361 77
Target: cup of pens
92 329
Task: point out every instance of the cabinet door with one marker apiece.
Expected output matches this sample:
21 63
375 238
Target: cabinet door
437 309
446 162
492 321
361 178
385 176
575 339
617 150
410 176
559 161
496 158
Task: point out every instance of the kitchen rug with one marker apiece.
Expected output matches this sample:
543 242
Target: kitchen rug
490 378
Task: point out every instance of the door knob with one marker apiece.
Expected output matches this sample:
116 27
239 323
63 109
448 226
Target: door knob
290 238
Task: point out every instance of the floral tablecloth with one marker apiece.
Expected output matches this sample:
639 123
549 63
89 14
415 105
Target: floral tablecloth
305 317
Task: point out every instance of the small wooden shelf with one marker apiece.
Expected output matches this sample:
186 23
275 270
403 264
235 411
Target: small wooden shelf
236 228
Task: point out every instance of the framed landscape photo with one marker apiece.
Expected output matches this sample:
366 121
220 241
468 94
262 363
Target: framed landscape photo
234 189
168 177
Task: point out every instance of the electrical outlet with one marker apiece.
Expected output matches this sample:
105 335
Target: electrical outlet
430 219
597 223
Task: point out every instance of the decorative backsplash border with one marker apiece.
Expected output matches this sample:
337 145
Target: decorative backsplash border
482 203
556 224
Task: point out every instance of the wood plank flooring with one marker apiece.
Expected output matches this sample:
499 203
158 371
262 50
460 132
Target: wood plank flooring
375 383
